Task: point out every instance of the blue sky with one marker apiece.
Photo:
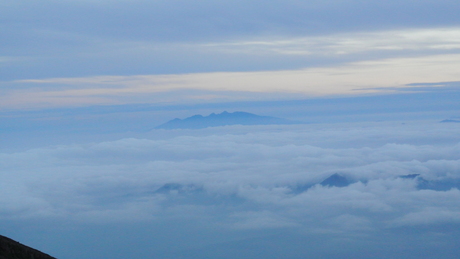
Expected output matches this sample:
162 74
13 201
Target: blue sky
84 174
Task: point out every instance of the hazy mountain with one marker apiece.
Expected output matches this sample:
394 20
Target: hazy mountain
336 180
222 119
10 249
340 180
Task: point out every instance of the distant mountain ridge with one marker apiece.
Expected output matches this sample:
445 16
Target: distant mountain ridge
10 249
222 119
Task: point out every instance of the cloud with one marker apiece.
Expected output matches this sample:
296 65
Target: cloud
185 21
144 37
350 79
242 181
340 44
429 216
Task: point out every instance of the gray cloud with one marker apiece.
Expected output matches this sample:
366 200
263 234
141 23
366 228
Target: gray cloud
82 38
240 191
242 181
184 20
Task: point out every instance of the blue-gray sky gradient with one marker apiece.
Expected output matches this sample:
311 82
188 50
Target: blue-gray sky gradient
84 174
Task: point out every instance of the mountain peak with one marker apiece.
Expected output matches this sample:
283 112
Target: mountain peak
222 119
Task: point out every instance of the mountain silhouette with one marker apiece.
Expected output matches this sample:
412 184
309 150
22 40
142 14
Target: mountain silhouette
10 249
222 119
336 180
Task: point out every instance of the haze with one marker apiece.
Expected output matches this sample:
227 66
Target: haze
85 174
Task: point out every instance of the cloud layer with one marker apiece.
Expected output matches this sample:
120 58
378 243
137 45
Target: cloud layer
349 79
89 38
263 179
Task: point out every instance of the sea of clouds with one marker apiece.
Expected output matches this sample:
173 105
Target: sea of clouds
237 177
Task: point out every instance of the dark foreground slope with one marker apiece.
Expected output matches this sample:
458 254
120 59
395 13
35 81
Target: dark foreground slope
10 249
223 119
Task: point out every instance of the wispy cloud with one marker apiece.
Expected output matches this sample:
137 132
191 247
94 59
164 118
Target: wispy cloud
349 79
421 40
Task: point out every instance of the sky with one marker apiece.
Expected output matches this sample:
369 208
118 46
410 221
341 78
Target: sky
83 84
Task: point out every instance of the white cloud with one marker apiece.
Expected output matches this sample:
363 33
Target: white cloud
242 180
425 40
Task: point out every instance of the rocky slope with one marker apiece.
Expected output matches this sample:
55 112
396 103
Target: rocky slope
10 249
